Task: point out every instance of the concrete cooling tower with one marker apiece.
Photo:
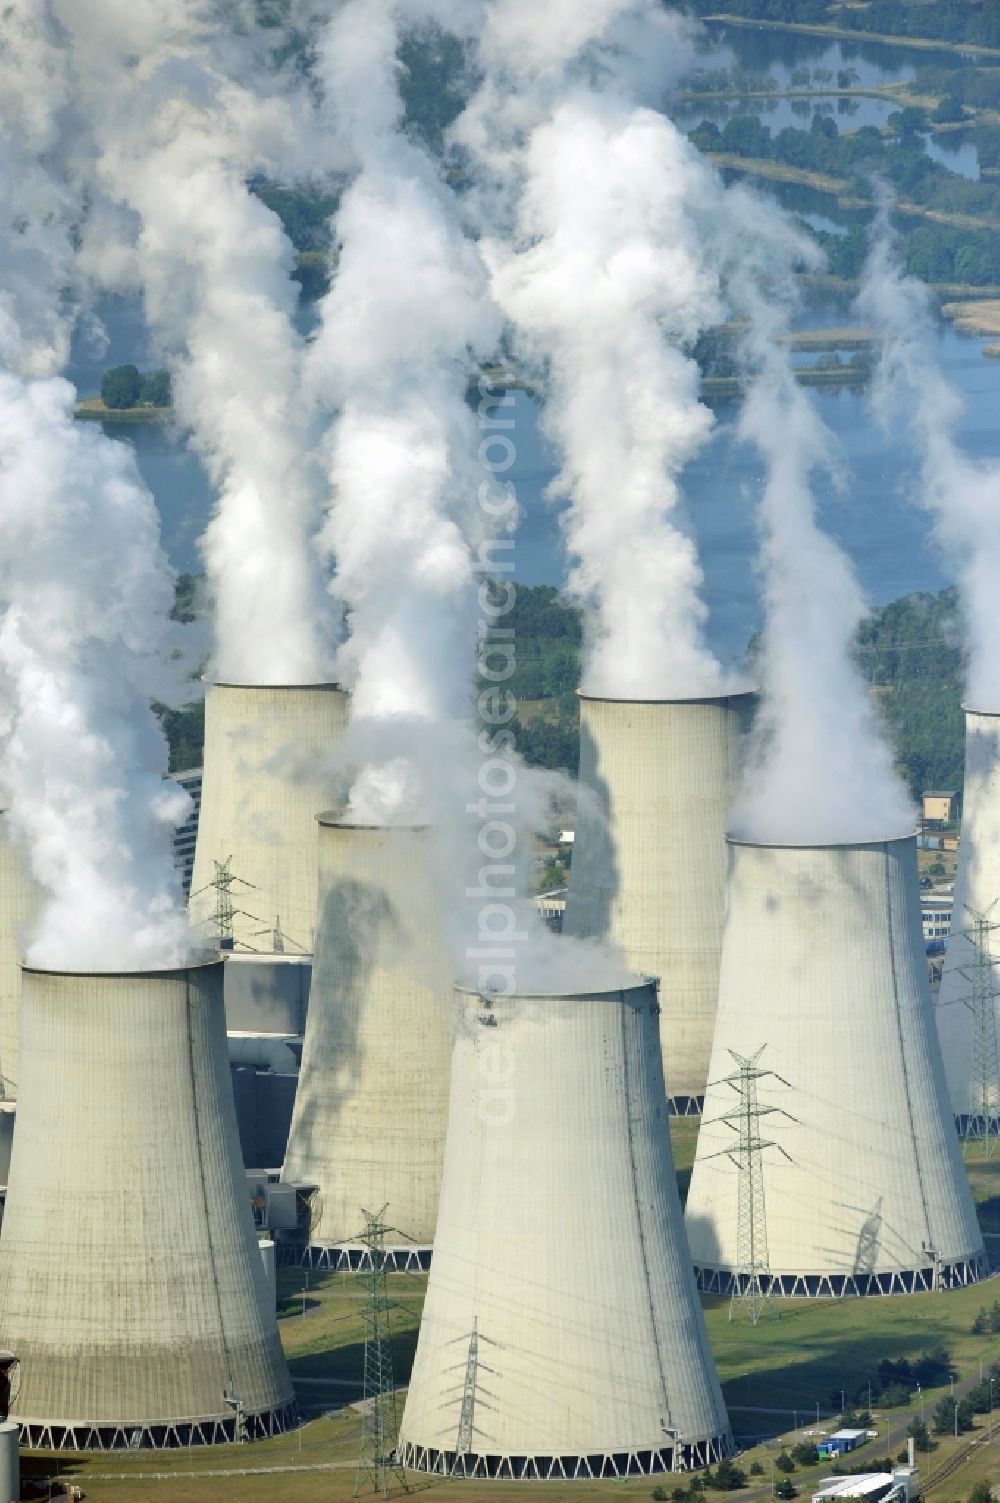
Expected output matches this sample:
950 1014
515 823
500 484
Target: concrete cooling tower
649 857
827 1142
17 899
131 1286
264 784
968 1012
561 1334
370 1115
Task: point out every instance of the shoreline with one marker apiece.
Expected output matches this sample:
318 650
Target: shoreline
93 410
849 34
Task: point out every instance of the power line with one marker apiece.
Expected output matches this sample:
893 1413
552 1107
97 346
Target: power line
377 1464
751 1280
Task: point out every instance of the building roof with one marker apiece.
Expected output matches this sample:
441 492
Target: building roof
859 1486
940 793
847 1435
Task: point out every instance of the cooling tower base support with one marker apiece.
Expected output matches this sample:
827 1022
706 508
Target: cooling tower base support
168 1435
351 1258
635 1463
685 1106
968 1125
847 1285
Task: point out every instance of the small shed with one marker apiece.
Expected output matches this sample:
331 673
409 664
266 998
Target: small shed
841 1442
938 807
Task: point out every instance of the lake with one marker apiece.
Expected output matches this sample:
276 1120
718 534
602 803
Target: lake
886 536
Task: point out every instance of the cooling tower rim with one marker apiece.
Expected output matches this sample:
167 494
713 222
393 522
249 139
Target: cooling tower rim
140 973
968 709
751 692
222 683
333 819
820 845
589 994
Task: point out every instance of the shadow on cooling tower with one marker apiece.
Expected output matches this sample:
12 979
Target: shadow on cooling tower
355 919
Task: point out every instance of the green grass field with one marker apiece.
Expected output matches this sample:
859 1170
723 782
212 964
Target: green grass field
801 1354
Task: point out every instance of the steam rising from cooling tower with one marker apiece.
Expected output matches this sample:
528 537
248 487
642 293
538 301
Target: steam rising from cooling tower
822 770
181 118
962 494
83 646
605 280
406 309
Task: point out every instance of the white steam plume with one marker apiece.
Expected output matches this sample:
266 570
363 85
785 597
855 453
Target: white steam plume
822 771
181 119
962 494
84 640
36 208
600 267
405 318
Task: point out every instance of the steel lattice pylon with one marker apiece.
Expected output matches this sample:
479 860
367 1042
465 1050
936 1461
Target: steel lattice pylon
751 1283
377 1464
983 1120
223 883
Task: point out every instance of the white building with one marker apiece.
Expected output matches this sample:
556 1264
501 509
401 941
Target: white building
824 985
936 914
370 1115
131 1285
561 1333
649 857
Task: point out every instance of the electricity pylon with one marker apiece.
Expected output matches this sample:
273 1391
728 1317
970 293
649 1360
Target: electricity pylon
752 1262
225 910
983 1121
279 939
471 1395
377 1464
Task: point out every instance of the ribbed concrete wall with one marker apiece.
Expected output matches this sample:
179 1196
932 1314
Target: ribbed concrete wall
560 1242
131 1286
18 895
649 859
977 886
371 1107
823 963
264 784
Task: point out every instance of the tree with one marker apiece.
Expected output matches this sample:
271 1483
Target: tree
981 1492
728 1477
121 386
156 389
948 110
921 1436
784 1489
806 1452
784 1462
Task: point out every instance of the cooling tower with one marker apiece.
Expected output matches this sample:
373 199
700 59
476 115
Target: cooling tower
17 898
131 1285
833 1149
649 858
371 1108
969 1024
264 783
561 1334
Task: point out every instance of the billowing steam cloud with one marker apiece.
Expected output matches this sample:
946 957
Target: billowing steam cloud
962 494
181 119
405 318
822 772
84 639
603 276
36 209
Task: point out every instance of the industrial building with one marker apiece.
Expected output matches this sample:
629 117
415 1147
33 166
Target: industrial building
266 777
968 1010
370 1115
17 898
561 1333
131 1284
827 1162
186 835
657 779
